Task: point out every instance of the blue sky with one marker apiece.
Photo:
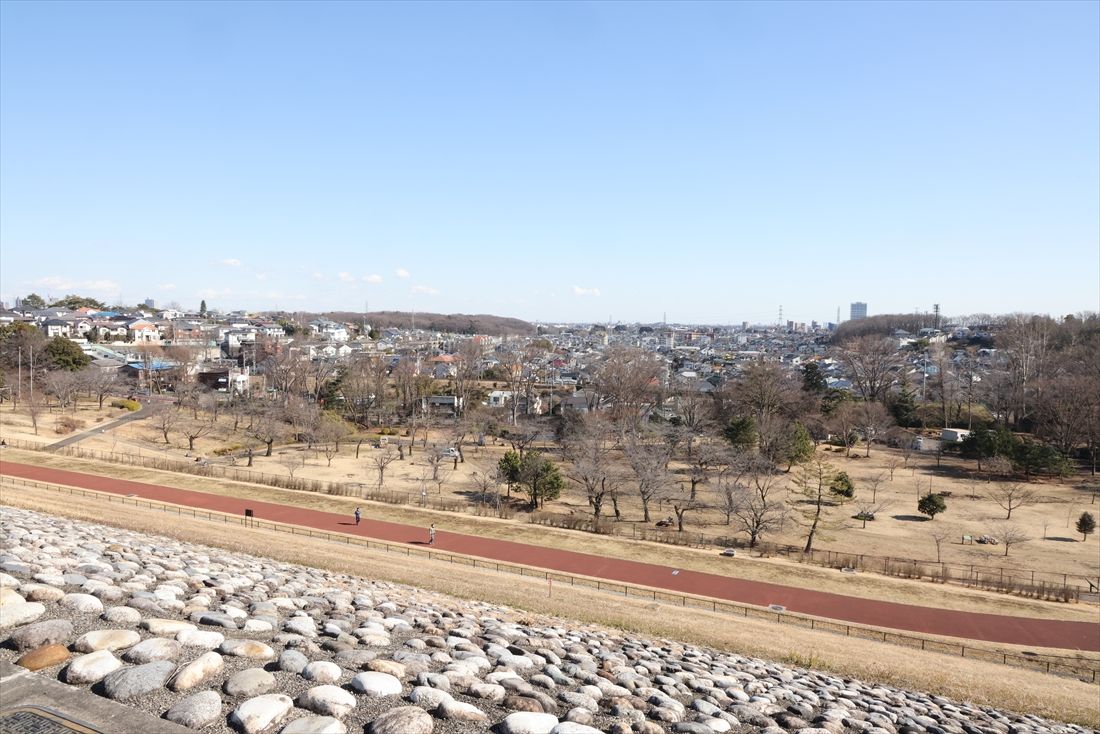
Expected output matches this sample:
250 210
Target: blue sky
572 161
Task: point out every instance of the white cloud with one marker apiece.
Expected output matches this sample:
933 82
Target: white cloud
373 278
55 281
261 276
402 273
318 276
346 278
578 291
214 292
167 286
426 289
60 283
231 262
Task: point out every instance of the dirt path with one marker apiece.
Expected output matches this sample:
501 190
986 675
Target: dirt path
890 615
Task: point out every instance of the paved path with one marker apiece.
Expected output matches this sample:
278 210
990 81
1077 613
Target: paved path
890 615
147 409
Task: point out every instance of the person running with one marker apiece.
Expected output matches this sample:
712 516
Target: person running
357 515
431 534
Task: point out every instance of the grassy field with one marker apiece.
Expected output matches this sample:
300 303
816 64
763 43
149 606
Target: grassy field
899 531
773 570
965 679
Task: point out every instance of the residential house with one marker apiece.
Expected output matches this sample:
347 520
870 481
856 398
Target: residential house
57 327
140 330
330 330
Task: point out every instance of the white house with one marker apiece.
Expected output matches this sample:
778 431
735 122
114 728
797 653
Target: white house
499 398
329 330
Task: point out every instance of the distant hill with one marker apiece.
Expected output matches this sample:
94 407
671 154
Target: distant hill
882 325
458 323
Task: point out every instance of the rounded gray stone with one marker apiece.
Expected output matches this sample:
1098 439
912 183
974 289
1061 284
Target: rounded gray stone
327 700
50 632
292 661
127 616
315 725
154 648
403 720
260 713
196 711
81 604
249 682
91 668
140 680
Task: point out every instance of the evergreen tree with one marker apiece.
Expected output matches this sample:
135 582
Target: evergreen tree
1086 525
931 505
842 485
813 381
741 432
63 354
800 446
33 302
202 308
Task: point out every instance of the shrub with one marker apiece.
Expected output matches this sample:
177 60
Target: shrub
130 405
67 424
226 450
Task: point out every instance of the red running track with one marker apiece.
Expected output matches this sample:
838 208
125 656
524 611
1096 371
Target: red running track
928 620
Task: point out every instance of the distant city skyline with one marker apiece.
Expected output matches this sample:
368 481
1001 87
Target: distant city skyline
555 162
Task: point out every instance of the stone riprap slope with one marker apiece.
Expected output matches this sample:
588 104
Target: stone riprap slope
221 642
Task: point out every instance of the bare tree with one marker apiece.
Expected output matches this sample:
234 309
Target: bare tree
892 466
648 457
813 484
435 459
872 420
196 428
522 436
382 458
1012 495
1068 403
488 487
329 434
63 385
101 383
754 498
292 461
694 411
305 419
187 396
628 378
871 362
284 372
844 421
708 460
868 509
589 452
268 427
939 534
1010 534
874 482
467 371
165 421
682 501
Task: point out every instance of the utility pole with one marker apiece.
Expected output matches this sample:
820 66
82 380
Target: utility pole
19 379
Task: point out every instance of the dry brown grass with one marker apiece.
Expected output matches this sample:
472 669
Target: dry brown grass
771 570
962 679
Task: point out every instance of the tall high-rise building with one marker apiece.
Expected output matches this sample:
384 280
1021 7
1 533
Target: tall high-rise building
858 311
150 303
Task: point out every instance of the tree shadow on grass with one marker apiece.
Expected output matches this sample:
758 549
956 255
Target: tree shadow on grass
1060 539
910 518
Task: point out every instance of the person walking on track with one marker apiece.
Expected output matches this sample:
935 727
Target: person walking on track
357 515
431 534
